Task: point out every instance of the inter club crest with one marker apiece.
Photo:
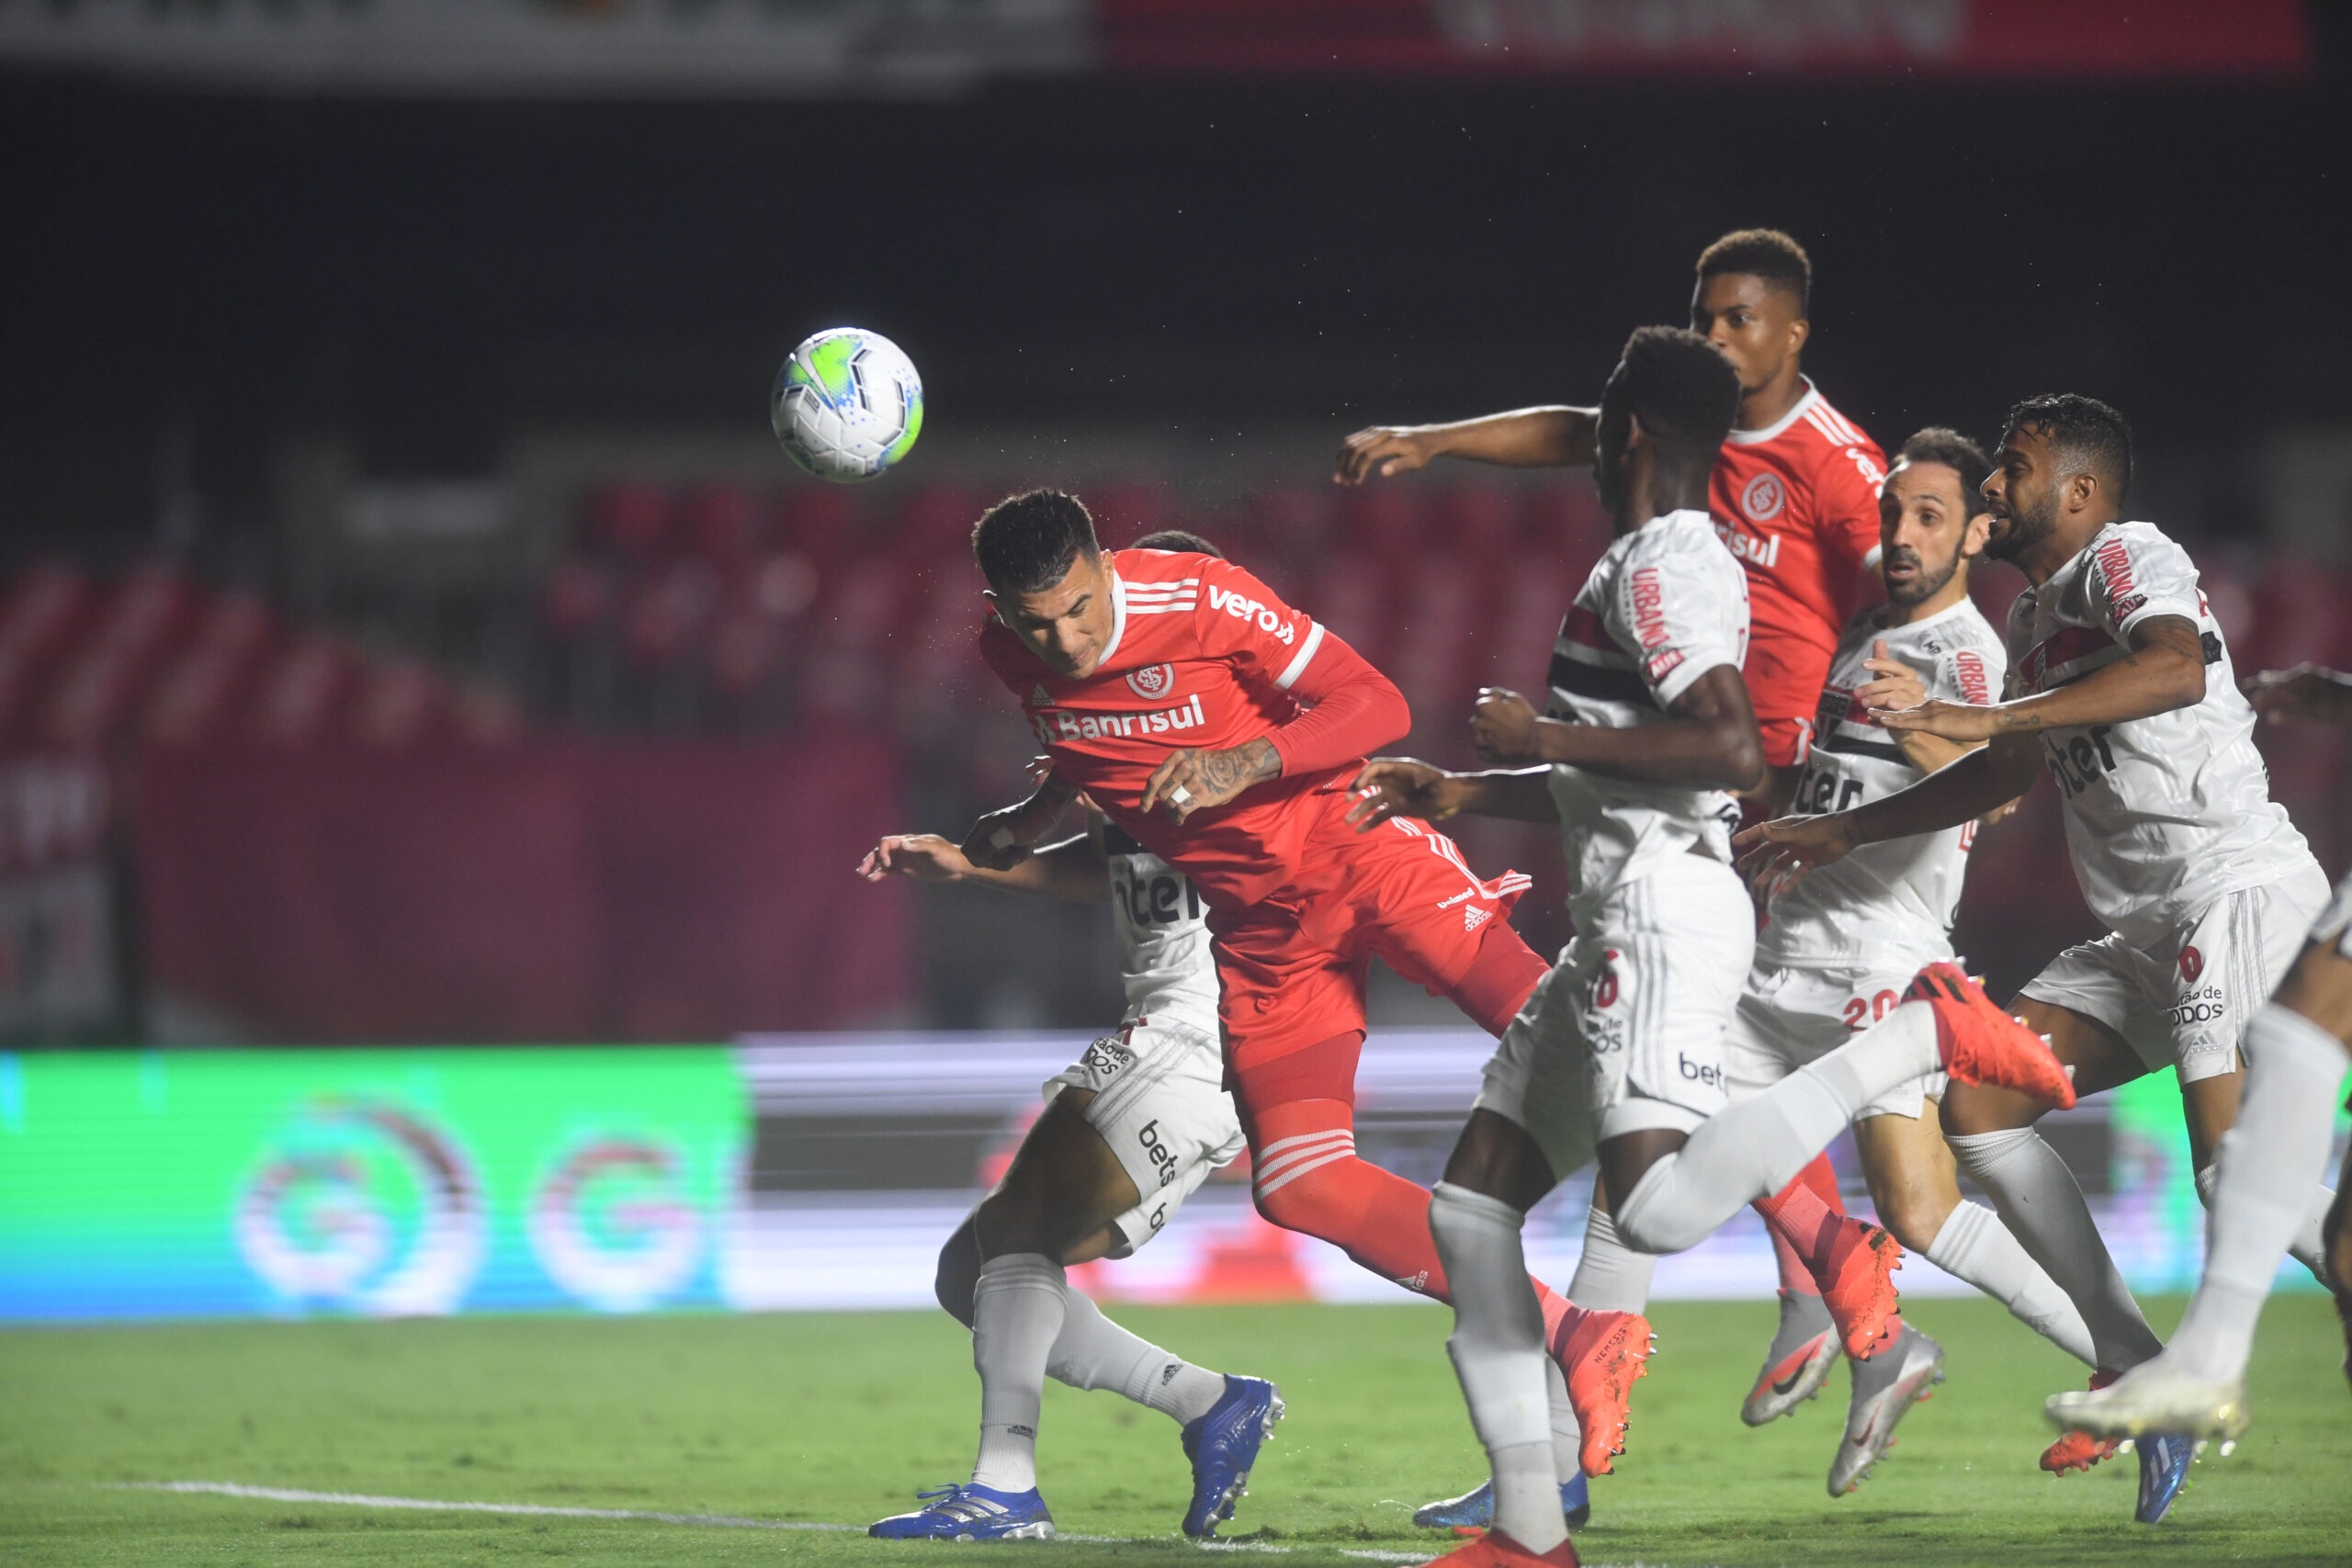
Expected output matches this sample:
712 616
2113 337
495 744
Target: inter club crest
1152 682
1763 498
2192 964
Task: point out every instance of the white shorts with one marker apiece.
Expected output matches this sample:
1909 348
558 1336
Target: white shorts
2335 922
1159 1102
1788 1017
1627 1032
2184 1001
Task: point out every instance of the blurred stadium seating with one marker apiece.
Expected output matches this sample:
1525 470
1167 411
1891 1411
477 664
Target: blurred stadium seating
726 612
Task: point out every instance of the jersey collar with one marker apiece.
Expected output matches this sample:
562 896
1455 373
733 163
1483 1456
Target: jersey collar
1118 617
1772 431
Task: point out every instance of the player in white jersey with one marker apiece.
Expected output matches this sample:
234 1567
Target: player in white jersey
2296 1050
2205 887
1130 1130
1836 951
1619 1053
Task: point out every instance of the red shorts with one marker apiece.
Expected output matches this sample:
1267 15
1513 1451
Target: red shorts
1784 676
1292 966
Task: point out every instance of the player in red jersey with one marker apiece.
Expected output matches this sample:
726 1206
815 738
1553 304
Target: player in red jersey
1219 728
1793 495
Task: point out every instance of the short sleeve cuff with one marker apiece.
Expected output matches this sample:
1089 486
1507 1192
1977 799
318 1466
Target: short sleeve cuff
1685 673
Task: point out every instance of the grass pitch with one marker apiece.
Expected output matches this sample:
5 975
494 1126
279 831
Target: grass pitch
838 1418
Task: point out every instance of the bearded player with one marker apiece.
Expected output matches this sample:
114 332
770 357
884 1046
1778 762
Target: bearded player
1793 495
2120 686
1218 727
1619 1055
1837 949
2296 1048
1129 1131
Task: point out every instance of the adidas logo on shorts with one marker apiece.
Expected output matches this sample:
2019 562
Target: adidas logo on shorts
1473 917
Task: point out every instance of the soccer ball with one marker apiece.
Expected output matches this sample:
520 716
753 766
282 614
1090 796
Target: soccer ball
847 405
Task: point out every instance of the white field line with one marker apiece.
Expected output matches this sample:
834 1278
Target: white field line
722 1521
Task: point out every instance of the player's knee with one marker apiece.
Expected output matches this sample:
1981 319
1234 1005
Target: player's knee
1014 1218
960 1272
1913 1216
1649 1220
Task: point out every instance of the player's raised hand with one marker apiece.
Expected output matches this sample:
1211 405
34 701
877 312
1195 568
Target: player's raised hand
1502 726
1402 786
1779 855
1192 780
1381 451
1897 686
2307 694
926 857
1966 723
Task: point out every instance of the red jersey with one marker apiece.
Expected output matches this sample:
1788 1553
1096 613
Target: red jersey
1202 654
1797 505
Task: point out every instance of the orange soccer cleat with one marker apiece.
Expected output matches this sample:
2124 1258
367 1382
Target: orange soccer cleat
1858 1287
2080 1450
1496 1549
1601 1353
1982 1045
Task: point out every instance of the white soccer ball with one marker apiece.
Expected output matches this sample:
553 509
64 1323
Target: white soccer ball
847 405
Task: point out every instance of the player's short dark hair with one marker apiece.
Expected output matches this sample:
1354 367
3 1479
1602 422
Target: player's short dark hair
2086 432
1182 540
1028 542
1685 393
1938 443
1766 253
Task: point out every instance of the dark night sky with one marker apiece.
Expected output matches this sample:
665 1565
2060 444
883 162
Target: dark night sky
435 275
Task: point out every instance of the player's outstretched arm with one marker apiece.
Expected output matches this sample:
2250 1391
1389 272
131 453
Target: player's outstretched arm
1004 838
1781 851
1896 685
1711 743
1404 787
1075 869
2307 694
1550 437
2164 670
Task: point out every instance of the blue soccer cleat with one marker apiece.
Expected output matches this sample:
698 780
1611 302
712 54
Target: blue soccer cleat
1475 1509
2164 1459
970 1512
1223 1445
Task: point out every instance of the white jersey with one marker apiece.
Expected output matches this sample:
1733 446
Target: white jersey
1664 604
1893 901
2163 815
1164 960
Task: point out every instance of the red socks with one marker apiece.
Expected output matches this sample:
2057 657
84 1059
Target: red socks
1803 1219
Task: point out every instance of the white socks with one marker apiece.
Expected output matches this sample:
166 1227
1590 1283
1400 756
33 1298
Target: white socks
1092 1352
2037 1199
1972 1245
1611 1276
2286 1124
1498 1351
1018 1308
1757 1147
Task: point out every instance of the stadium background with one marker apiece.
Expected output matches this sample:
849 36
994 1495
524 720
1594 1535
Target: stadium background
436 723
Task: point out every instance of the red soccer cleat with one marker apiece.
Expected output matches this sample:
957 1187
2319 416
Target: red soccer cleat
1601 1353
1982 1045
2080 1450
1496 1549
1858 1288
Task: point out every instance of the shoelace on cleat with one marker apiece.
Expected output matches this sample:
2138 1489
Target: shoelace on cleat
954 1503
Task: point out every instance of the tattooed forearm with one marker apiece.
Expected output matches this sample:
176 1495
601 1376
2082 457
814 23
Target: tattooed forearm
1229 773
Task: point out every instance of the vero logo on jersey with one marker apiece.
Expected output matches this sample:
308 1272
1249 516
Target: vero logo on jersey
1242 609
